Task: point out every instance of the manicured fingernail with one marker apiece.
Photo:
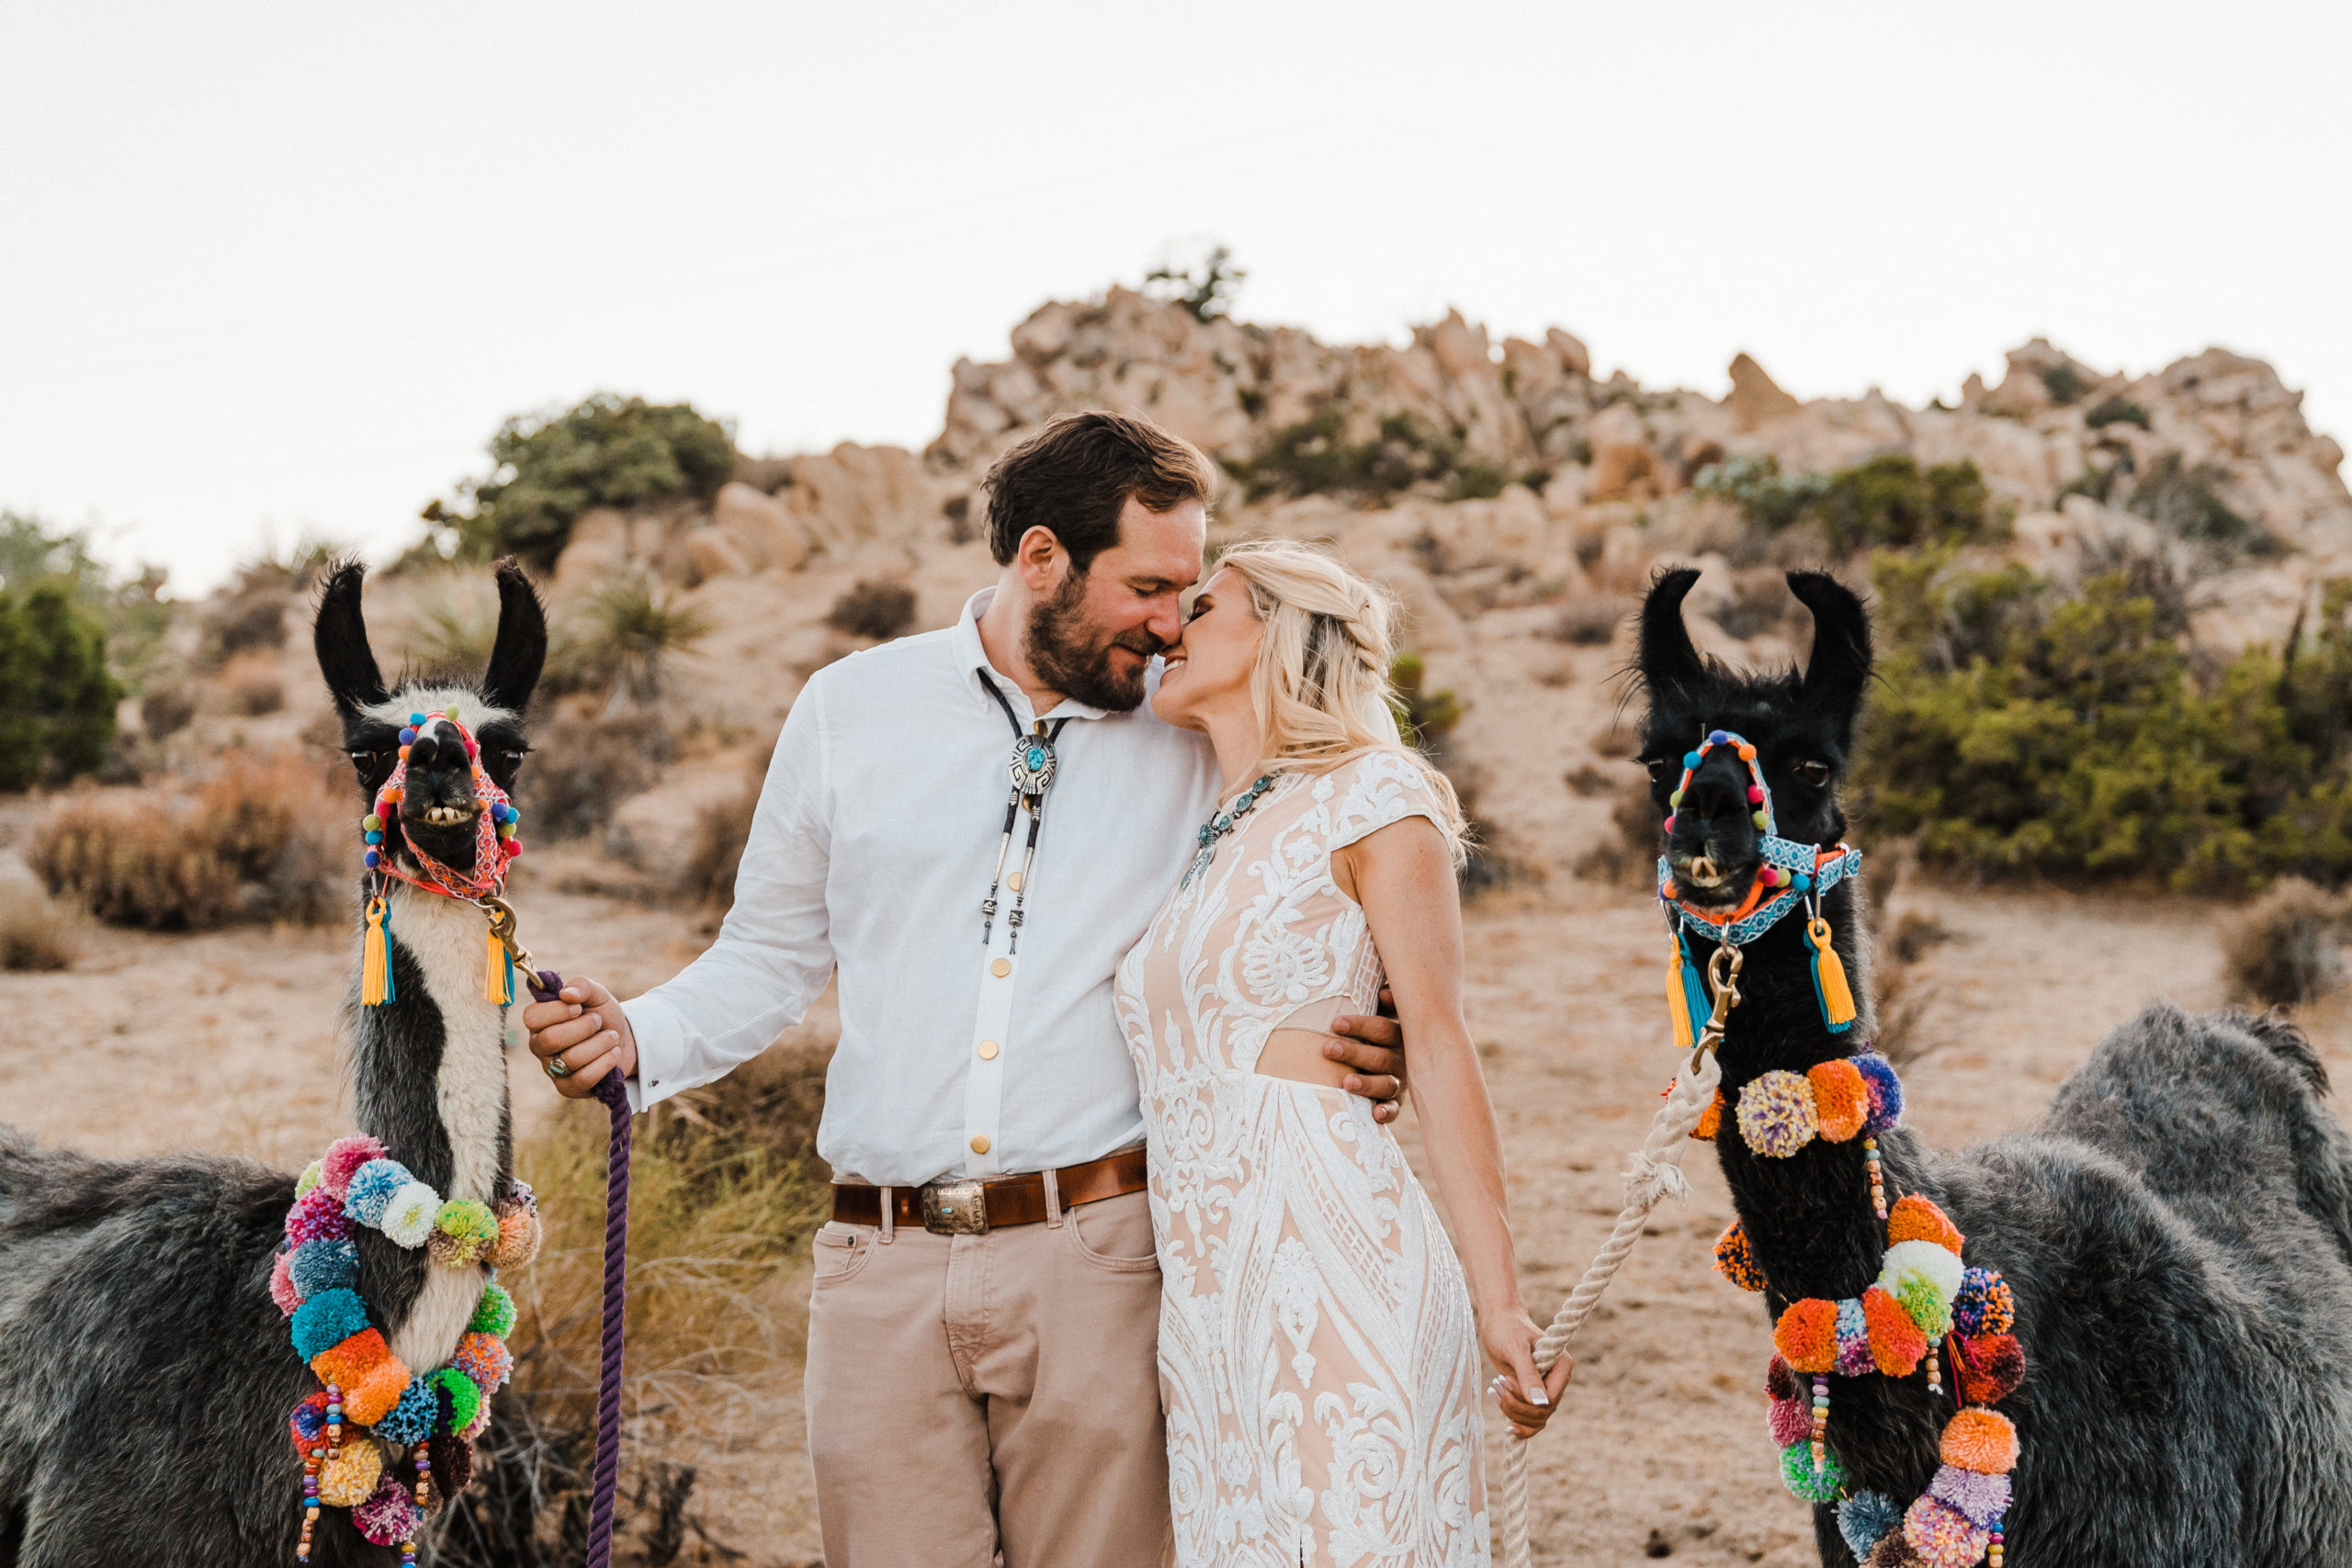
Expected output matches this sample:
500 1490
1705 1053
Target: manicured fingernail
1537 1396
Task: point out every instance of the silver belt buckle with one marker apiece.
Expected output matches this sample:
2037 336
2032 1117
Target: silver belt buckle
955 1208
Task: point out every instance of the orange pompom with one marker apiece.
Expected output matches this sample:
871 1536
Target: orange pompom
349 1360
518 1239
1736 1260
1917 1218
1896 1343
1980 1440
1841 1101
1806 1336
1711 1119
372 1397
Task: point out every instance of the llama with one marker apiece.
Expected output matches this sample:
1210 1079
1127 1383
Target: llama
2177 1233
146 1373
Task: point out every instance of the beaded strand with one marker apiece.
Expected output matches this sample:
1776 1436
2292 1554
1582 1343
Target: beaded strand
1878 1177
1820 1423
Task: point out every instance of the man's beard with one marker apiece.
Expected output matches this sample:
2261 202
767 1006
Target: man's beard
1072 655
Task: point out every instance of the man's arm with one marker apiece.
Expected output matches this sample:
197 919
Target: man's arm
772 959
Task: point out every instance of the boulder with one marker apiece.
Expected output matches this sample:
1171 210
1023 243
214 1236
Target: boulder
1755 399
760 529
1575 358
597 547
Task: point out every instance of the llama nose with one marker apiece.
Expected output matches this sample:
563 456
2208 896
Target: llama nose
424 752
1717 792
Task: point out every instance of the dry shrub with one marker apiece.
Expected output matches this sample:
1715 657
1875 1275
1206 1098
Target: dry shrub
715 847
1589 620
255 693
873 609
570 791
258 841
1585 780
2286 948
725 1188
166 709
1628 854
36 934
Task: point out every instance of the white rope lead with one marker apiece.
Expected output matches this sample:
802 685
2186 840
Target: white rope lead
1655 1174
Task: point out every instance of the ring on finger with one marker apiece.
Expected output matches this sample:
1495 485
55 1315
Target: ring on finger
555 1068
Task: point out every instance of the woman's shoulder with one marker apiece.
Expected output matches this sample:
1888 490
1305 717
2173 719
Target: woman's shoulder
1381 786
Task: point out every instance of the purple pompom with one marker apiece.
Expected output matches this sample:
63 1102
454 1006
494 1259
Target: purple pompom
388 1517
1983 1304
1984 1498
1885 1091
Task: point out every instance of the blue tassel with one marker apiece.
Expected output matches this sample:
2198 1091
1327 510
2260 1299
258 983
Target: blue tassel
1829 987
1686 996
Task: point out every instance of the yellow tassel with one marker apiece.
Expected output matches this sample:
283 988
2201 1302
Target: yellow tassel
1829 979
498 973
376 958
1678 1001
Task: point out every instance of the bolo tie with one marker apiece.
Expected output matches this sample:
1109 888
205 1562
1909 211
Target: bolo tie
1032 768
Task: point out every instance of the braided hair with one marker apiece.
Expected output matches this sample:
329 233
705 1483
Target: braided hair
1320 687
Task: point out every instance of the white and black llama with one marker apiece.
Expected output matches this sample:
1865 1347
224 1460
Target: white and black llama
2175 1236
146 1373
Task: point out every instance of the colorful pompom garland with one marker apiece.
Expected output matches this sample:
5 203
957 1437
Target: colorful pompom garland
1925 1297
313 1281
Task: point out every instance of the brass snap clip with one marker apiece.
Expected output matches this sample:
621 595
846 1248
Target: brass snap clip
1722 979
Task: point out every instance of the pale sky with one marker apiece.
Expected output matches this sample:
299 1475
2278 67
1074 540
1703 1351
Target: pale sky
273 267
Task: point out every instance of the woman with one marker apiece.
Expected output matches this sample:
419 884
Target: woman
1318 1366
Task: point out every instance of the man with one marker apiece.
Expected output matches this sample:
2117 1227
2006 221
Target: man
974 825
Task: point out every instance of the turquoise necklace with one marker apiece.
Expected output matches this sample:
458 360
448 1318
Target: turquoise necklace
1218 825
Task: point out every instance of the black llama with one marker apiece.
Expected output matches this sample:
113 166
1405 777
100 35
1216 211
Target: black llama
145 1372
2177 1233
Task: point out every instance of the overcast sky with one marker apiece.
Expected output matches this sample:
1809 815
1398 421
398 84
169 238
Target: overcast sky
269 268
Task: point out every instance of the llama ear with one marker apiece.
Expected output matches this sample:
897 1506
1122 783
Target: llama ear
1840 664
340 639
1669 661
522 646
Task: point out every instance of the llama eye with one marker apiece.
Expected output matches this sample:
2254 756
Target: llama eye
367 763
1814 773
1657 770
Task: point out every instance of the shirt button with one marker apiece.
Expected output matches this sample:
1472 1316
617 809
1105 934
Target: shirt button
987 1050
1000 968
980 1144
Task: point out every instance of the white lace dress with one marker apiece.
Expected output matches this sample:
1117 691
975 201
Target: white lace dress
1317 1361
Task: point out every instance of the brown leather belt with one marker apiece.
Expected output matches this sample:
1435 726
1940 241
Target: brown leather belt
975 1208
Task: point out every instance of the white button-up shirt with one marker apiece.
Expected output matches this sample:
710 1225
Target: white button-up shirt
871 848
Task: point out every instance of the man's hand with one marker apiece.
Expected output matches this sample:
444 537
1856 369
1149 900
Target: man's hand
1375 1049
585 1029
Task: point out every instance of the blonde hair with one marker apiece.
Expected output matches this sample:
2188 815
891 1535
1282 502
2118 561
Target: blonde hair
1321 688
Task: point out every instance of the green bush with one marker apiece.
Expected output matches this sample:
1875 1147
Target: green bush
1426 717
1204 287
2022 731
57 699
548 468
1315 457
2116 408
132 610
1887 500
2065 382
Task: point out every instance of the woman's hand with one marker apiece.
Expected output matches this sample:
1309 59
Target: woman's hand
1526 1399
586 1031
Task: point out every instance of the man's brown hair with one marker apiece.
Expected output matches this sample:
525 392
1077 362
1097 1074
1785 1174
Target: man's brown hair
1073 476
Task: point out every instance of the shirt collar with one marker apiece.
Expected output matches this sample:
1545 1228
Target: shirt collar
974 659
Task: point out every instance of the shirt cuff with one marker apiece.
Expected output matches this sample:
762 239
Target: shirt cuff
661 1052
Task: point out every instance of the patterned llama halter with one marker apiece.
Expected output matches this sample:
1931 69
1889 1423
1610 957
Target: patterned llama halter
1792 874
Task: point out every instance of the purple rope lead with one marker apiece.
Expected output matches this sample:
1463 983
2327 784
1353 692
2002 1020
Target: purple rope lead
615 1094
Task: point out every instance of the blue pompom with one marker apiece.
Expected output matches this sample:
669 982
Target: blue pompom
1692 759
326 1320
1864 1520
411 1421
1800 882
372 838
415 719
372 1186
319 1266
1886 1092
374 860
1717 738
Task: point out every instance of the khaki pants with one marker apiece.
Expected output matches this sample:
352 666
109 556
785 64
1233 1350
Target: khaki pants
972 1394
